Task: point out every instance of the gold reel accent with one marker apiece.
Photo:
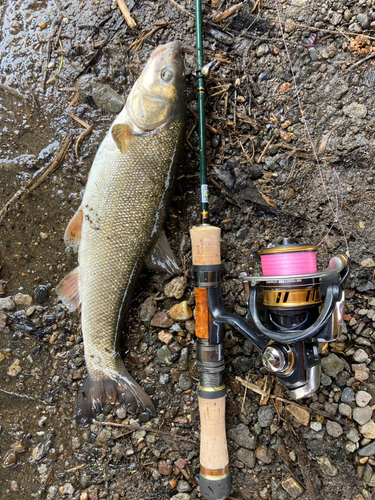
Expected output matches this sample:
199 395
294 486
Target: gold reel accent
291 298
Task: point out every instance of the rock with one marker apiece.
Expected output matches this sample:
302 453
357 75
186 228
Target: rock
162 320
332 365
360 356
10 460
7 304
368 430
345 410
292 487
336 18
68 489
325 380
367 451
362 415
333 429
362 398
147 310
185 382
355 28
247 457
327 468
104 436
52 493
355 110
3 320
263 454
316 426
165 468
265 416
285 136
164 355
102 94
313 54
181 312
368 263
262 50
349 447
331 408
183 362
361 372
23 300
175 288
15 368
42 448
41 294
165 337
347 395
364 21
242 233
241 435
190 326
181 496
353 435
183 486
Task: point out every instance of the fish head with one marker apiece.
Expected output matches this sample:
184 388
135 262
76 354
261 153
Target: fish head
158 95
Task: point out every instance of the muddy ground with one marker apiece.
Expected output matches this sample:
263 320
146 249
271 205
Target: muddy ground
256 196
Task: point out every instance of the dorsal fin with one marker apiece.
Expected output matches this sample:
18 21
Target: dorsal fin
68 290
122 134
72 236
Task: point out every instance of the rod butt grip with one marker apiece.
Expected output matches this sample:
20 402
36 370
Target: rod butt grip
205 245
215 490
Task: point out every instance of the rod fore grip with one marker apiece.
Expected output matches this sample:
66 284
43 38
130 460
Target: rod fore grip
205 245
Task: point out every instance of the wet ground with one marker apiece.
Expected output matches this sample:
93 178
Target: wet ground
257 194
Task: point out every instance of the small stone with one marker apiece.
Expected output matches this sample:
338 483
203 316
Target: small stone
7 304
185 382
349 447
183 362
345 410
364 21
336 18
333 429
43 236
241 435
42 448
247 457
316 426
181 312
3 319
183 486
14 486
313 54
353 435
347 395
181 496
327 468
15 368
176 287
355 28
68 489
368 430
23 300
162 320
165 337
332 365
362 398
263 454
104 436
325 380
265 416
190 326
292 487
2 356
361 372
165 468
147 310
368 263
30 311
284 136
41 294
360 356
362 415
262 50
164 355
371 483
10 460
367 451
355 111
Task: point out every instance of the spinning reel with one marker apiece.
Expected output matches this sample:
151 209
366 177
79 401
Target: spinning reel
294 309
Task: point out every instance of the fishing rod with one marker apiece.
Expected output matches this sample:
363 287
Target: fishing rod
294 311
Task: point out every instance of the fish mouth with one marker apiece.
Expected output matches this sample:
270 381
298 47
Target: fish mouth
174 46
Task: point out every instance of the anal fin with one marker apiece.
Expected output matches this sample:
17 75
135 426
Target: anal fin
68 290
162 257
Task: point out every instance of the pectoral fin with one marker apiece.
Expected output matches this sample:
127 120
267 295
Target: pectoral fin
68 290
122 134
162 257
72 235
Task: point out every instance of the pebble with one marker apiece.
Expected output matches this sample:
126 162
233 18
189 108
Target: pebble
241 435
326 466
185 382
68 489
262 49
350 447
347 395
181 496
368 430
353 435
285 136
360 356
181 312
292 487
362 415
368 263
316 426
165 468
121 413
15 368
332 365
3 319
313 54
265 416
367 451
333 428
336 18
23 300
10 460
345 410
7 304
355 28
362 398
30 311
355 110
247 457
325 380
164 355
42 448
162 320
364 21
41 294
175 288
263 454
104 436
183 486
361 372
147 310
165 337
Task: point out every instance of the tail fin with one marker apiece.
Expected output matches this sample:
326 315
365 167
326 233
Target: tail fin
95 394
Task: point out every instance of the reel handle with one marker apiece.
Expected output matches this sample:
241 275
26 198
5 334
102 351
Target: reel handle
215 481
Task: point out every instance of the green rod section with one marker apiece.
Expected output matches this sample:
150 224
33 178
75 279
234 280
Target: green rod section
201 114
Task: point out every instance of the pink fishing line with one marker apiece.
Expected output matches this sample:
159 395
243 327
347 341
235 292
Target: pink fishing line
286 264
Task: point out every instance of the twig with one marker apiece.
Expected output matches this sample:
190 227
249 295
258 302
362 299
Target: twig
358 63
265 149
32 183
11 91
126 13
182 9
81 122
73 469
252 387
49 50
44 487
208 127
216 18
149 429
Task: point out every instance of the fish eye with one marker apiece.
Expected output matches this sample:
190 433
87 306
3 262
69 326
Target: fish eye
167 75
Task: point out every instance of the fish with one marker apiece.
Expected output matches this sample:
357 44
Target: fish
120 224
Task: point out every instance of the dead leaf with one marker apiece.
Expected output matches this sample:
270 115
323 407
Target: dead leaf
267 200
300 414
